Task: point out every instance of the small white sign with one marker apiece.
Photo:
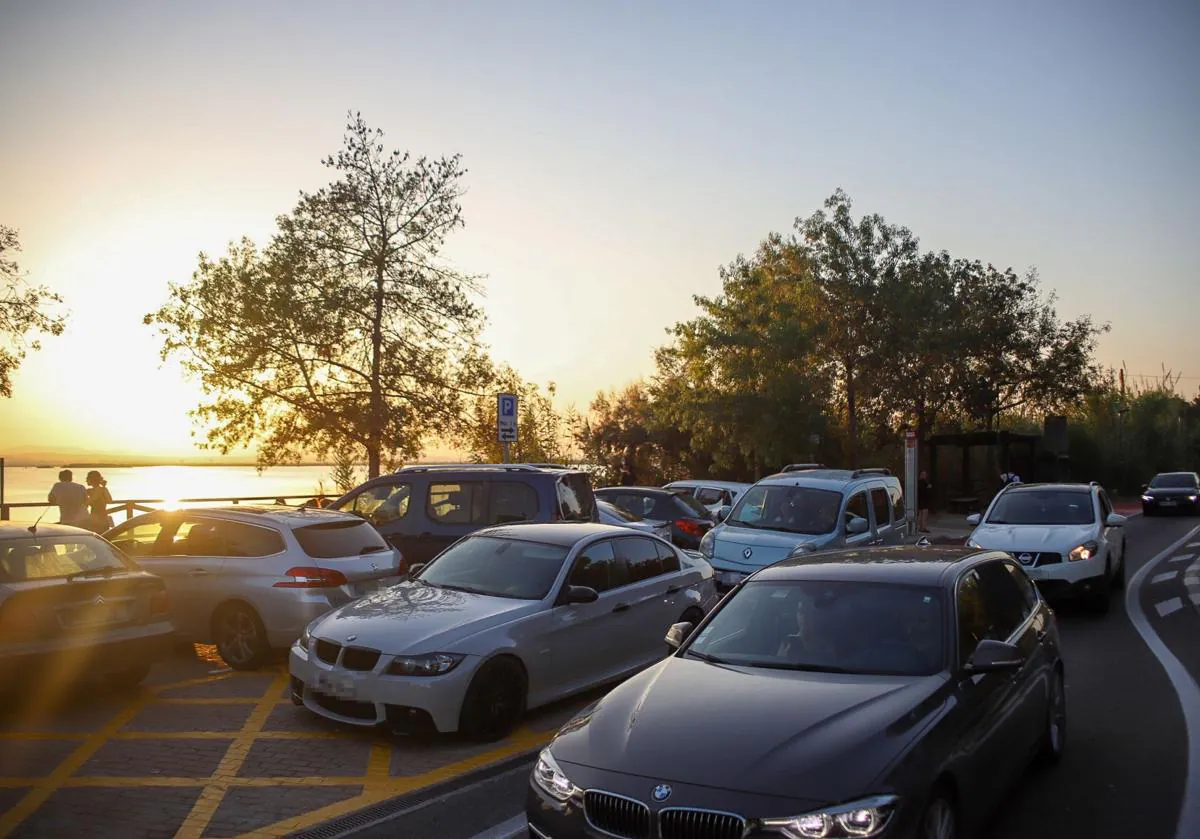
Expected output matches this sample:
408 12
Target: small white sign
506 418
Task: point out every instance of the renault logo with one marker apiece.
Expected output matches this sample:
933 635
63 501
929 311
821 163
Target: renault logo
749 552
661 793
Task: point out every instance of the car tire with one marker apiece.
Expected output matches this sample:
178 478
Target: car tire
939 821
494 701
1147 512
1054 740
1101 599
130 676
240 636
1118 580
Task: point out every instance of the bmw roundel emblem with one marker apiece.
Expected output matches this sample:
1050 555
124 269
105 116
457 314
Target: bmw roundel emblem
661 792
749 552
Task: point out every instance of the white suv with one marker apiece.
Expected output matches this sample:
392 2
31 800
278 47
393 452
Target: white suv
1066 537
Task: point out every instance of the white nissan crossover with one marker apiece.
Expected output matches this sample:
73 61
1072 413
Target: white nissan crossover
1066 537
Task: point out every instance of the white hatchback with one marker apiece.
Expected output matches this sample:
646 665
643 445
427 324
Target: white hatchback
1066 537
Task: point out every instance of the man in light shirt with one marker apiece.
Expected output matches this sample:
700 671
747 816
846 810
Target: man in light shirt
71 499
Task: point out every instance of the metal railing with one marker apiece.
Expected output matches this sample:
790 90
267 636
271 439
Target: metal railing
131 506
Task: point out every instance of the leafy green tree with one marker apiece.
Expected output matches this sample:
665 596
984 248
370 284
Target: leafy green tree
542 433
347 330
25 310
618 437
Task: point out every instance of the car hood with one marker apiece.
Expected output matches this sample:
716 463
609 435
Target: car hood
412 617
765 546
1032 537
817 736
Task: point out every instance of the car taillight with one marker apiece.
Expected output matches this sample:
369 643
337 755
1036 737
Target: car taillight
306 577
160 603
689 527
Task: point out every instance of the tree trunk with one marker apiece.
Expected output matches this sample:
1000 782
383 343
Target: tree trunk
375 435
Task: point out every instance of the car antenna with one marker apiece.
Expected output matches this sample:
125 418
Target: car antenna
33 527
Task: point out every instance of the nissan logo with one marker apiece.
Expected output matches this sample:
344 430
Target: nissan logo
1025 559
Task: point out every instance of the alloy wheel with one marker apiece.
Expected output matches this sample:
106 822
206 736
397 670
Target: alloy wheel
939 821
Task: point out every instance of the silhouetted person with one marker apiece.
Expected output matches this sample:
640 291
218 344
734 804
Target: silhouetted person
924 500
98 499
71 499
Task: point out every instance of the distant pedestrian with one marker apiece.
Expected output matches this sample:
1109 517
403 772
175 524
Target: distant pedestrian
924 497
71 499
98 499
1007 478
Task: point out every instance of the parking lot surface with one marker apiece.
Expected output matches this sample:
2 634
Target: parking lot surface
201 751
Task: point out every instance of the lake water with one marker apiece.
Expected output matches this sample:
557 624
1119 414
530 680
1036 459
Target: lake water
171 483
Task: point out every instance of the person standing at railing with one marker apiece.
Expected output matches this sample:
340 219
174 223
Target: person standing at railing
71 499
98 499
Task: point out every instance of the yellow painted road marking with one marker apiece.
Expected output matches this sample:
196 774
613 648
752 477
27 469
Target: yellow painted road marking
379 764
206 805
46 786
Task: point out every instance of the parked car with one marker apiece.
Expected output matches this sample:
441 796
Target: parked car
509 618
712 494
786 714
1066 536
1172 492
72 608
688 518
618 517
802 511
248 578
422 510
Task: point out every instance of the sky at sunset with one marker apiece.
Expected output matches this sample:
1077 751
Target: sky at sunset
618 154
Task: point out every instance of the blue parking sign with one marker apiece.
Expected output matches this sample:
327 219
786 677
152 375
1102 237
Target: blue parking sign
506 417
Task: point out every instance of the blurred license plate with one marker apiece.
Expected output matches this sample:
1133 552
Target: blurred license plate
1169 503
340 685
729 579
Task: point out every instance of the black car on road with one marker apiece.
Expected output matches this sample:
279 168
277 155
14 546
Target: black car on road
1172 492
689 519
887 692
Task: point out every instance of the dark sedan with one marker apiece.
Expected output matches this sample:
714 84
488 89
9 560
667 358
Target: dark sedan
1172 492
890 692
689 519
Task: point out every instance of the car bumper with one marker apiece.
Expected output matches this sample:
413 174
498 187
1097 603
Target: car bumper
1177 504
1068 579
87 657
372 698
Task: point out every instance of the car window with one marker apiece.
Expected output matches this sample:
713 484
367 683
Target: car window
710 495
599 567
212 537
856 508
817 625
670 559
1106 508
138 539
1005 599
1173 480
50 557
1043 506
1029 597
882 507
511 501
462 502
640 505
380 504
899 513
990 606
791 509
181 542
331 539
689 505
497 566
616 512
576 502
641 556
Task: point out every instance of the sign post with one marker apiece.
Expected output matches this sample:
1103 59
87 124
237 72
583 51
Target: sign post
910 479
506 421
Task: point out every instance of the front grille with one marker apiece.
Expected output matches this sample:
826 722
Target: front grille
1033 559
358 658
328 651
699 824
618 816
344 707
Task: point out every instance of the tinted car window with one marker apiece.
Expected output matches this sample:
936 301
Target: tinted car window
137 539
1105 507
710 495
641 556
899 513
990 606
817 625
1005 600
856 508
599 567
250 540
974 622
882 507
339 539
50 557
380 504
670 559
1024 585
501 567
791 509
463 502
690 506
1174 480
1043 506
512 501
575 499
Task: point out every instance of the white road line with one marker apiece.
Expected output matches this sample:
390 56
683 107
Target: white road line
1188 826
1163 577
1193 544
1182 558
1168 607
510 829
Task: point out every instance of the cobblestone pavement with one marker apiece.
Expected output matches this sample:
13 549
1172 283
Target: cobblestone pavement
200 751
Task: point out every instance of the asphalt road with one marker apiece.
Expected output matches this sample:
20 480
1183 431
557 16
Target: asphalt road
1126 765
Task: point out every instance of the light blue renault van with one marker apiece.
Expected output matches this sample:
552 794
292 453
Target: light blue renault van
803 511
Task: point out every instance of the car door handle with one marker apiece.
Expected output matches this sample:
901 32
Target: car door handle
621 607
674 589
198 572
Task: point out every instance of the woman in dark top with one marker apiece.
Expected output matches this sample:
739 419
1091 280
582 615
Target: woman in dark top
98 499
924 499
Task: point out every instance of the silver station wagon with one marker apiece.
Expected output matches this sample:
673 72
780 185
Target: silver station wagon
249 579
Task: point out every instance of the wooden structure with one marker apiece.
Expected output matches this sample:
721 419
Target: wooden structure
969 497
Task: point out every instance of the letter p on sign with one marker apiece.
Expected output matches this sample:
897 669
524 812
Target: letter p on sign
506 418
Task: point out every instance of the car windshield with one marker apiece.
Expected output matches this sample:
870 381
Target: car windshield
1033 506
691 504
51 557
501 567
789 508
617 512
828 626
1180 480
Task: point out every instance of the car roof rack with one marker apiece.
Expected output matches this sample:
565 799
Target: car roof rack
468 467
803 467
871 470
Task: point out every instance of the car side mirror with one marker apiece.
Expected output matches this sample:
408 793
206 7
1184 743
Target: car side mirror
414 569
974 519
1145 487
1115 520
581 594
993 656
857 526
724 512
678 633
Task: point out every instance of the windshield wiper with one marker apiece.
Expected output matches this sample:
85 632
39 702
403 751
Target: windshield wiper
106 571
711 659
807 668
449 587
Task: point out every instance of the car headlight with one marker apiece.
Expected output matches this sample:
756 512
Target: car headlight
433 664
1147 497
1194 498
1085 551
551 780
706 545
305 637
863 818
971 543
